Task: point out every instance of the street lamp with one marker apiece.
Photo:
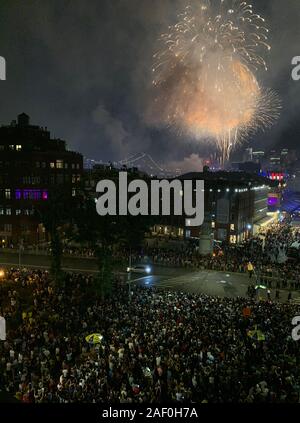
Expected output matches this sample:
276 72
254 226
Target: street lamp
21 248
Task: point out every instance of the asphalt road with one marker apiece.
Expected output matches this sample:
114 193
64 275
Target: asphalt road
214 283
221 284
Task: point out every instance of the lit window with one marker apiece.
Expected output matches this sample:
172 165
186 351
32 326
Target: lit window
73 179
7 194
52 165
1 210
18 212
59 164
73 165
18 147
232 227
11 147
213 225
66 165
73 192
8 212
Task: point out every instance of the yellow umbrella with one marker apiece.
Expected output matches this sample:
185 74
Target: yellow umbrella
94 338
256 334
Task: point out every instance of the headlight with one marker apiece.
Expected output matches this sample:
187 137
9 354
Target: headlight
148 269
128 269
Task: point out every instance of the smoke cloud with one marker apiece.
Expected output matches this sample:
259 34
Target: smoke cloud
84 71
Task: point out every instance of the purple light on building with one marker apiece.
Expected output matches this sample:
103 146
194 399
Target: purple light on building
272 201
31 194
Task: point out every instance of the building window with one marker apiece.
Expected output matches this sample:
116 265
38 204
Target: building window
73 192
73 165
2 147
73 179
8 212
7 194
35 180
31 194
11 147
43 165
59 164
233 239
37 164
18 147
60 178
78 166
78 178
1 211
213 225
18 212
52 165
232 227
66 165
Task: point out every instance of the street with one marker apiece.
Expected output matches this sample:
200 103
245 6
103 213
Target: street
222 284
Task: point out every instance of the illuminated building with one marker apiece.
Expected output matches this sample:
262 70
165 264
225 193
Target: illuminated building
31 164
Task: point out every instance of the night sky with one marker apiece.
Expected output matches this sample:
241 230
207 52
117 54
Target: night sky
83 69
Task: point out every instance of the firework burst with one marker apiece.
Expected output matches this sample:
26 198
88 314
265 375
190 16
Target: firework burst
205 74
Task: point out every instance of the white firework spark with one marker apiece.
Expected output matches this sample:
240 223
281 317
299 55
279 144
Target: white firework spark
205 73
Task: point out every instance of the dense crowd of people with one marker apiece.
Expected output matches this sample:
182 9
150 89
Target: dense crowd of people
267 252
158 346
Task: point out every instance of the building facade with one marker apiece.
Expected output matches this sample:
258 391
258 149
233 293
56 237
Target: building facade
32 164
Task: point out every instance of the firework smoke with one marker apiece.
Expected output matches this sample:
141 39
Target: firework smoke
205 74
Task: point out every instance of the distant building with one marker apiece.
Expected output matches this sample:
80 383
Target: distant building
248 167
248 155
31 164
258 156
236 205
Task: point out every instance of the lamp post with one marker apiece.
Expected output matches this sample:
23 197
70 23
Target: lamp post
21 248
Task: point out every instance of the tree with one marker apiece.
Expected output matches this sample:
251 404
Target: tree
56 214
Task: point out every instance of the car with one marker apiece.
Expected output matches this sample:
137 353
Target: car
140 268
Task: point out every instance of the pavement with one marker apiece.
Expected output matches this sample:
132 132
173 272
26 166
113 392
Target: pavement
223 284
